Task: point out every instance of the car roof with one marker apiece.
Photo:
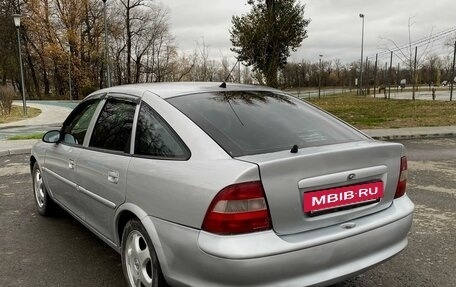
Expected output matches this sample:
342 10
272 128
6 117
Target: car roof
172 89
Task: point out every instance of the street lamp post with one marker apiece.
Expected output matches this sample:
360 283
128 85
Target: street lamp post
17 23
319 77
299 79
108 70
69 73
362 47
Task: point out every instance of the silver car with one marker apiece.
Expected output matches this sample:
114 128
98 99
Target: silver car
197 184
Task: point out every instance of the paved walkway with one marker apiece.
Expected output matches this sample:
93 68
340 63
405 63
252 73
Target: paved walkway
55 115
50 115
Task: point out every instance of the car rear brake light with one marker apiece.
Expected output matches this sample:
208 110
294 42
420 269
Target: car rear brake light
237 209
402 183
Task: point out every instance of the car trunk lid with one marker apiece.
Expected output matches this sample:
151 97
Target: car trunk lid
289 178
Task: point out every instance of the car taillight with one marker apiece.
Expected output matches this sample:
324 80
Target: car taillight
236 209
402 183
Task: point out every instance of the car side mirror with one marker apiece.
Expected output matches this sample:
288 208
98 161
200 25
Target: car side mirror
51 137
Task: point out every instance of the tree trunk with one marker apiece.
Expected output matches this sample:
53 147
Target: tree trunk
137 69
100 76
36 84
47 84
59 89
272 65
271 75
119 69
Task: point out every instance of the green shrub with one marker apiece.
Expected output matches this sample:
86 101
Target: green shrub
7 95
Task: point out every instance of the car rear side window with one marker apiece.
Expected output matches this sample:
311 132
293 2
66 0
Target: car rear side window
254 122
75 128
155 138
113 128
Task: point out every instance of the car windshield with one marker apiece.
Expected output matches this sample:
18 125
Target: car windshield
254 122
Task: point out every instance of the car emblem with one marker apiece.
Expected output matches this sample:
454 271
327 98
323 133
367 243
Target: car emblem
351 176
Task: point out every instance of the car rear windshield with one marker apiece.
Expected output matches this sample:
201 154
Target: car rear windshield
255 122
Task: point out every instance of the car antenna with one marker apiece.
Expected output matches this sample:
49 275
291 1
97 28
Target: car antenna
223 85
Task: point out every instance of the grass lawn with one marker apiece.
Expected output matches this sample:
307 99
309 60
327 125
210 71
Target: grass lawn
369 113
17 114
34 136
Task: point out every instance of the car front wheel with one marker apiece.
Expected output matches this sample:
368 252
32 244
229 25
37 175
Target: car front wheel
139 261
43 201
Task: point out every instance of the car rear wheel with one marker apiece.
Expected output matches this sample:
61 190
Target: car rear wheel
43 201
139 261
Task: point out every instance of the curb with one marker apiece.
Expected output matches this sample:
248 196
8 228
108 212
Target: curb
415 136
18 151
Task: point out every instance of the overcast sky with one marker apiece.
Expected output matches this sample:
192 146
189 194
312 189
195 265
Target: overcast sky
335 29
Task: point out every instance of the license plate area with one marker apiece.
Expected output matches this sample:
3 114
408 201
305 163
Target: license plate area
341 198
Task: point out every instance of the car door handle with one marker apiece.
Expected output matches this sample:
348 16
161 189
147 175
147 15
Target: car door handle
71 164
113 176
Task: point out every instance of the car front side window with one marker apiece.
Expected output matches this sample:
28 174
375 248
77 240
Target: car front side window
75 129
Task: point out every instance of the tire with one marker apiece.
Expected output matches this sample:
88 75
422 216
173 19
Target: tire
139 260
43 202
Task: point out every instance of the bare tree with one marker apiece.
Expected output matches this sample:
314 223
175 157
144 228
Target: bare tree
406 55
131 18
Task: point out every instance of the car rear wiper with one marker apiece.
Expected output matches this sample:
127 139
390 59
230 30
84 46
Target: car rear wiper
294 149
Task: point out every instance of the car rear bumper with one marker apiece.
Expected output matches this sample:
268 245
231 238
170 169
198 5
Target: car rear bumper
190 257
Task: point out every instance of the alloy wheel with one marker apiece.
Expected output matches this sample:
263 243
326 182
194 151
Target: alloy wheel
39 189
138 261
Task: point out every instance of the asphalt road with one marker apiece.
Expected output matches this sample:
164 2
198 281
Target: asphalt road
58 251
20 129
430 258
